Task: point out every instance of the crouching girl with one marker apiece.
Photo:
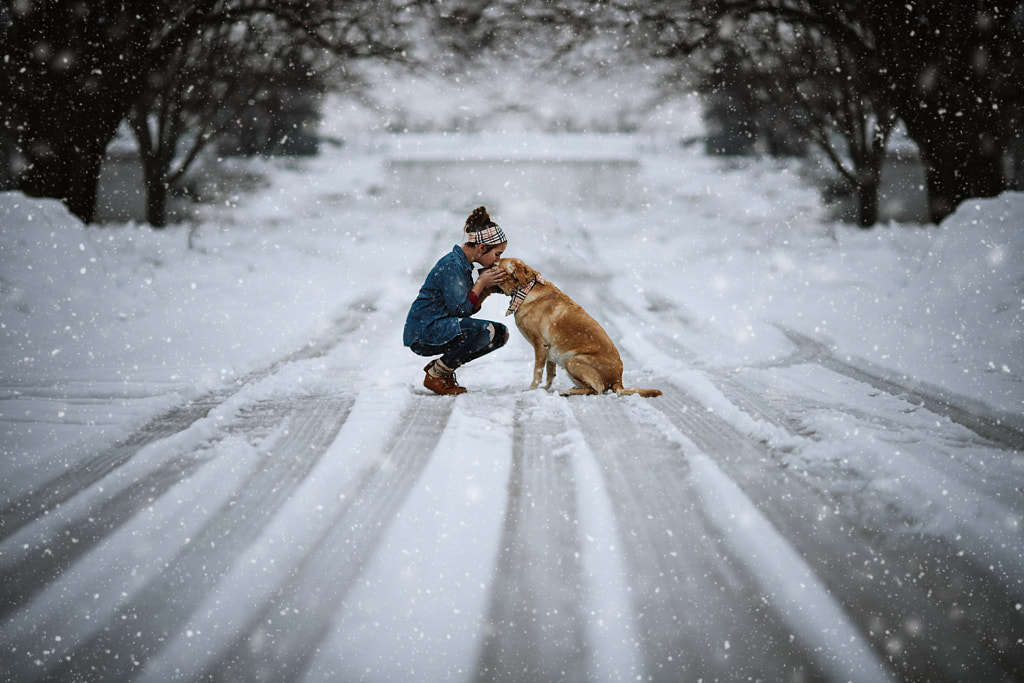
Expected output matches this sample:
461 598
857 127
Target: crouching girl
439 322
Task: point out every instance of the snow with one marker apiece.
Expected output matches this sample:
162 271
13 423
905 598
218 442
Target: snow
725 281
785 576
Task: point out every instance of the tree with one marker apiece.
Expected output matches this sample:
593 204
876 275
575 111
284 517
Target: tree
283 105
181 99
731 103
1011 95
819 90
944 60
935 63
72 69
845 119
208 87
75 68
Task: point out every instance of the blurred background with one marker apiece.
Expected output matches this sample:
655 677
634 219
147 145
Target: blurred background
133 110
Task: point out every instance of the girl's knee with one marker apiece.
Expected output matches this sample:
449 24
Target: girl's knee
500 334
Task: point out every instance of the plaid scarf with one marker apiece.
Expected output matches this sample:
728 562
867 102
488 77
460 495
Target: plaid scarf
519 294
492 234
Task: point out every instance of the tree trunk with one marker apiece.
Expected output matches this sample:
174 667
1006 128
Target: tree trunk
66 134
156 203
867 203
155 167
66 161
961 156
76 68
941 58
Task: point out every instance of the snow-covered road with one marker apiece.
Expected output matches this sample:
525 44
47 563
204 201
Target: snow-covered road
783 513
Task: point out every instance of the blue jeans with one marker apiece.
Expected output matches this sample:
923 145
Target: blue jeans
477 339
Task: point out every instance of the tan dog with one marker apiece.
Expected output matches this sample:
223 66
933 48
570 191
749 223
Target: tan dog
562 332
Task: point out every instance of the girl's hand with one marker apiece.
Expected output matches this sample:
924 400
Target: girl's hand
491 277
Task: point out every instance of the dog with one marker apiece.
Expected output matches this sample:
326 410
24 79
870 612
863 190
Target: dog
562 333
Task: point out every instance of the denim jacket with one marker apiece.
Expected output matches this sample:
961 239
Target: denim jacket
444 298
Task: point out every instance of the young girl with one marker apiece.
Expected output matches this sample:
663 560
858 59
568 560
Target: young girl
439 321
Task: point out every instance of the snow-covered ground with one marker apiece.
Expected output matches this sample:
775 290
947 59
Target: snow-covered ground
219 462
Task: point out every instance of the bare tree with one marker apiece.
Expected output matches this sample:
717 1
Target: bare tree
934 63
1011 96
75 68
207 86
823 93
182 99
943 59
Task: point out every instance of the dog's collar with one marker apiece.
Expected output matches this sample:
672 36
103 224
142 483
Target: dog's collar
519 294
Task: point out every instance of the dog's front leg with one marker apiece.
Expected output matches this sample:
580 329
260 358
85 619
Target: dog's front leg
551 375
540 356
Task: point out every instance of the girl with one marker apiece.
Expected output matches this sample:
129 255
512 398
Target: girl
438 322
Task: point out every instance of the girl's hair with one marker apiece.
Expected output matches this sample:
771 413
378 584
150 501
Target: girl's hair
477 221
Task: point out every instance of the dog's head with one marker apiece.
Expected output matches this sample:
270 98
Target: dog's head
519 274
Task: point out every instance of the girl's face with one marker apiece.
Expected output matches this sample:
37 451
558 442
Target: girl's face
487 260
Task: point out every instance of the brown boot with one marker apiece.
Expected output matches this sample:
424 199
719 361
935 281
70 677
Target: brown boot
441 382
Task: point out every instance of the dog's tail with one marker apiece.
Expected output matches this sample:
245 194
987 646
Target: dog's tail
629 391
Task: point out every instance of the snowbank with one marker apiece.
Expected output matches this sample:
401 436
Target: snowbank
80 302
970 292
955 317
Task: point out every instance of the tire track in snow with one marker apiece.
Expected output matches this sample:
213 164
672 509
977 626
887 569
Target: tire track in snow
697 613
24 574
535 629
783 577
140 627
45 553
884 581
1006 430
985 562
974 468
21 511
905 591
281 636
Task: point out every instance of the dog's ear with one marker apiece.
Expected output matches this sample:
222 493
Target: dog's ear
522 274
529 274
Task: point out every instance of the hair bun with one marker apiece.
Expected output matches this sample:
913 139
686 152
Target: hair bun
478 220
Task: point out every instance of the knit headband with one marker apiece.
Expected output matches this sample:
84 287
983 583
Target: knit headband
492 234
